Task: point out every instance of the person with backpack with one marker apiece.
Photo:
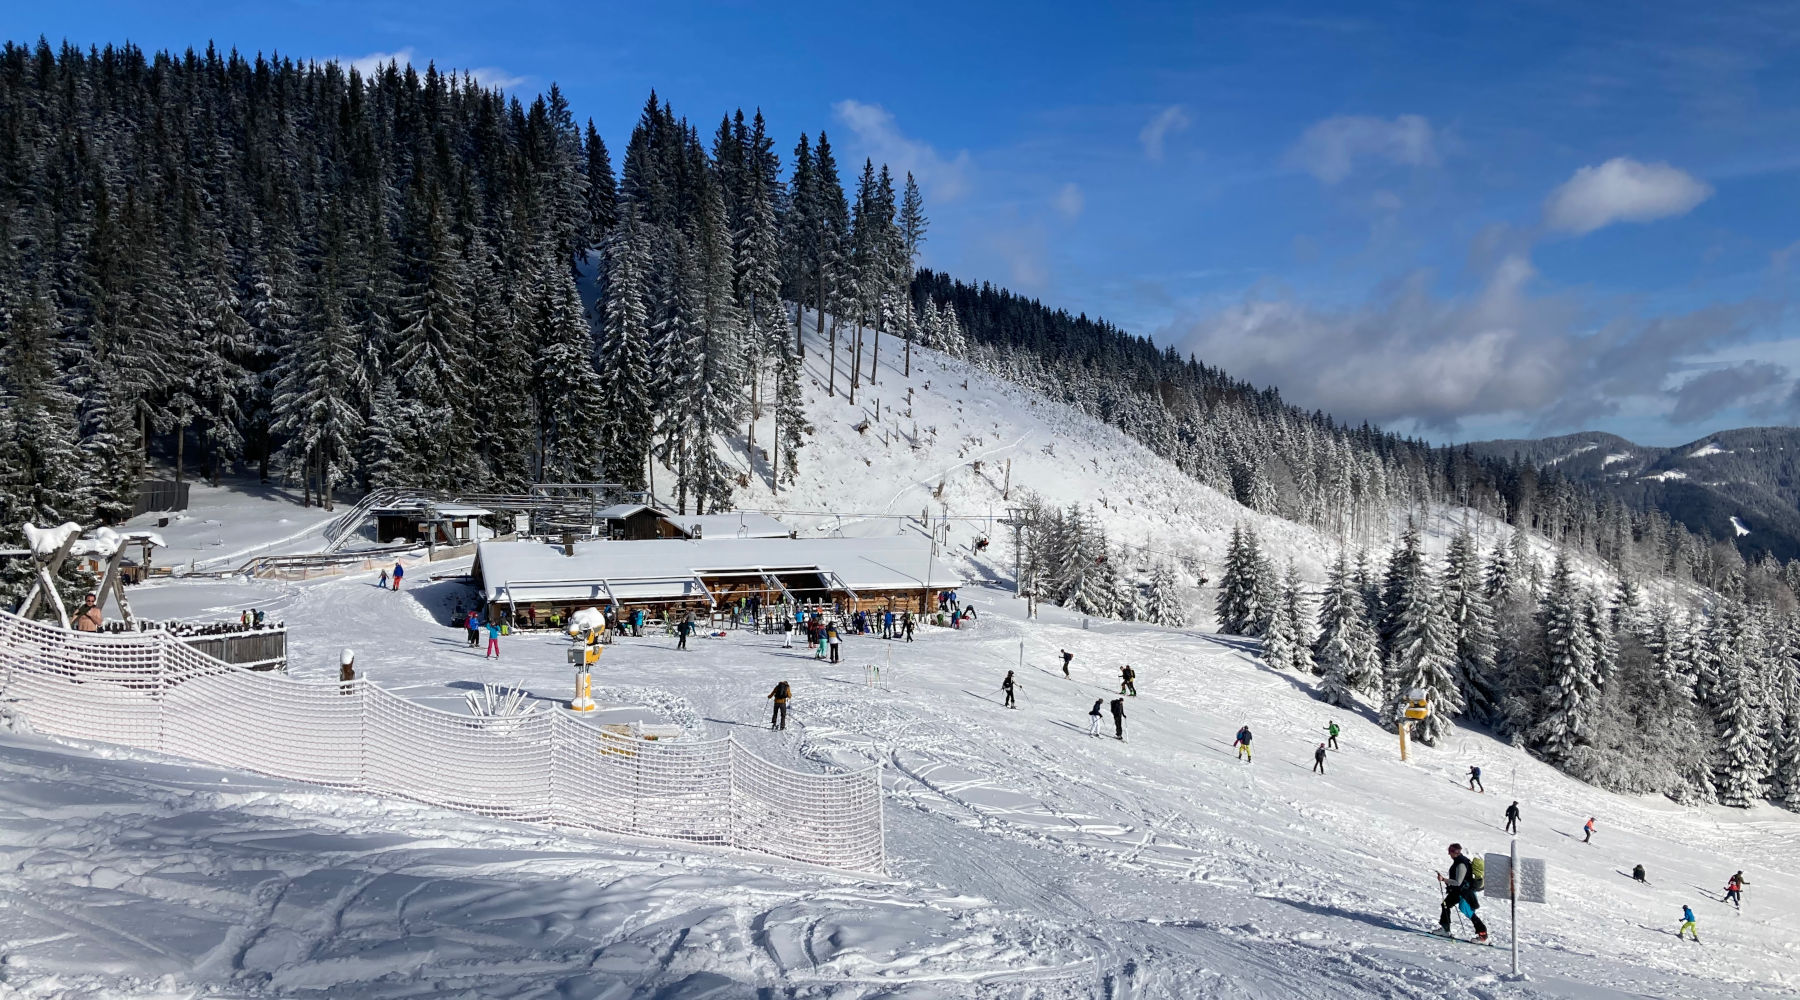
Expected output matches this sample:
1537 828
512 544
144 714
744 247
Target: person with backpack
1007 686
1587 830
1475 779
473 624
1331 731
1687 924
1459 893
1319 759
780 696
1512 817
1094 717
399 571
1066 657
1128 680
493 646
1242 746
1734 890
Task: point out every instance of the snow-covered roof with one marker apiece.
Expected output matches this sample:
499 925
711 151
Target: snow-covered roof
620 511
410 508
668 569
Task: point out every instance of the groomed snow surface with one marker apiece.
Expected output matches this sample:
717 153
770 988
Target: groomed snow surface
1026 858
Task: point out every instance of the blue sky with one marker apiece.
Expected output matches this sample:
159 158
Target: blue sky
1462 220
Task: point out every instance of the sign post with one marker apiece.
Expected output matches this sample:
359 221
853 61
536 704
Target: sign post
1523 878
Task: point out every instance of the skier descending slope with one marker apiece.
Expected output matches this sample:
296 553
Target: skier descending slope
1007 686
1067 656
1094 717
1587 830
1687 924
1459 891
1319 759
1512 817
1331 731
1243 743
1734 890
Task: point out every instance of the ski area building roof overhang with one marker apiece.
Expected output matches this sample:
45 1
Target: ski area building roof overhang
665 570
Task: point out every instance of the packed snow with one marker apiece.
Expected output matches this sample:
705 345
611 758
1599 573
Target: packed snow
1667 474
1617 456
1739 526
1709 448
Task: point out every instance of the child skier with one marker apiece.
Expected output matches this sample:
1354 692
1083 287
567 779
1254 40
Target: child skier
473 625
1587 830
1094 717
384 581
1243 743
1734 890
493 646
1687 924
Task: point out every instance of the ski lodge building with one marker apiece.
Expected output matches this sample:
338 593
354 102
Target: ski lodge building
638 522
666 576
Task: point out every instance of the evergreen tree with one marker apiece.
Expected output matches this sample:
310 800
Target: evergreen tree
1165 606
1568 667
1423 658
1344 653
1470 621
1240 610
625 357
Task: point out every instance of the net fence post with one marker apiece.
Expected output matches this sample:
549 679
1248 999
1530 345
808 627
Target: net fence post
731 792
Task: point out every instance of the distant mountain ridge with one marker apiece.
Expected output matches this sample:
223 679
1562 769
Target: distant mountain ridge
1738 485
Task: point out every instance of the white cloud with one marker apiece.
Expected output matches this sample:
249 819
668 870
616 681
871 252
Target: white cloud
491 77
1331 149
882 141
1069 201
1169 120
1622 190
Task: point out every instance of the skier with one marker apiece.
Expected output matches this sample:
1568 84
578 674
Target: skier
493 646
384 583
1734 891
1512 818
399 571
1687 924
831 635
637 624
1094 717
1118 714
473 624
1459 892
1475 779
1242 746
818 642
1319 759
906 625
1067 656
1637 874
1128 680
1007 686
1587 830
781 694
887 624
1331 729
682 631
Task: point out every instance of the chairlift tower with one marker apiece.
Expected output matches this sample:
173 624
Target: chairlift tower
1020 520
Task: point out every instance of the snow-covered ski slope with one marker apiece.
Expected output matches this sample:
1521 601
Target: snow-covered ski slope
1027 858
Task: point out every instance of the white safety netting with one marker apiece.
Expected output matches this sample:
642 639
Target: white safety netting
152 691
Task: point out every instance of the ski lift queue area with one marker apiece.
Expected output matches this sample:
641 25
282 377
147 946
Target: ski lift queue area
532 583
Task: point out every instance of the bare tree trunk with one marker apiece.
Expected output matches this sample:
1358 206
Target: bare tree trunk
325 480
856 362
908 371
180 454
875 354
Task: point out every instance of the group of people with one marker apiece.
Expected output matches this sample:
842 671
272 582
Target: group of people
392 578
475 625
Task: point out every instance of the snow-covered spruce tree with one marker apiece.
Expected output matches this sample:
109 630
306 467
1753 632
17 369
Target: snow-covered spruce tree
1300 620
625 357
1470 620
568 389
1268 595
1743 755
432 358
1568 669
1405 571
1279 641
1128 594
1784 759
318 397
1239 610
912 225
1423 657
1165 606
1344 652
501 312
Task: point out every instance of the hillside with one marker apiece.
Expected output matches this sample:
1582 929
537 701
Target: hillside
1739 486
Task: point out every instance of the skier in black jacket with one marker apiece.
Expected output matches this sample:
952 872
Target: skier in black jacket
1457 890
1319 759
1128 680
1512 818
1007 686
1118 714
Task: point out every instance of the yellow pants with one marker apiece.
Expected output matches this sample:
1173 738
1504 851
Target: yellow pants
1686 927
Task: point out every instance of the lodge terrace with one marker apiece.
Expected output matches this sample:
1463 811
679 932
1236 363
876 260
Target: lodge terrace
530 580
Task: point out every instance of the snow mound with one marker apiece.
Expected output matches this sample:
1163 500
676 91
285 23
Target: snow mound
1739 526
1667 474
1709 448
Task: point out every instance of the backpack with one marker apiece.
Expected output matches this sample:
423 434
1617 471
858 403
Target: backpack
1477 874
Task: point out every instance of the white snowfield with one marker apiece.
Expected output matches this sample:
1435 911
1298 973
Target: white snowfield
1026 858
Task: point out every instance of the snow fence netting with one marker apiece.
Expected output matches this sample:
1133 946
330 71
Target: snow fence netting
148 690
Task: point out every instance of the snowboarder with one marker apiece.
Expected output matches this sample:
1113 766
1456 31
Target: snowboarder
781 694
1118 714
1734 890
1512 818
1094 717
1475 780
383 584
399 571
1637 874
1687 924
831 636
473 625
1007 686
1067 656
1331 729
1587 830
493 646
682 631
1128 680
1459 892
1242 746
1319 759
